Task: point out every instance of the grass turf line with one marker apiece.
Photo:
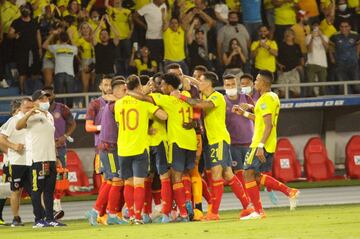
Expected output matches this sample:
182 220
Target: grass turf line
306 222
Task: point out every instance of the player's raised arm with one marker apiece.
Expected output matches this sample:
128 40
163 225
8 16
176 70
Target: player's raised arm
161 114
197 103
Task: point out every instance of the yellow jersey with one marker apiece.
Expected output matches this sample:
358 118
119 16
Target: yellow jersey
140 3
310 7
174 44
132 116
214 120
285 14
142 66
120 19
268 103
87 51
264 60
327 29
233 4
8 13
300 35
179 112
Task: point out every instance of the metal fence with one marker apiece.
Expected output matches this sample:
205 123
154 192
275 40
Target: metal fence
88 96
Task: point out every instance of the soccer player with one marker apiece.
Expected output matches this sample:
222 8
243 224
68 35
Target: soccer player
218 150
93 125
241 129
109 159
181 138
40 147
133 117
64 126
259 157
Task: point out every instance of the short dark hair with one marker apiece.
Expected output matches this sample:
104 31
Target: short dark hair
247 76
263 25
173 66
132 82
118 80
105 77
64 37
172 79
200 68
212 77
14 106
268 75
229 77
144 79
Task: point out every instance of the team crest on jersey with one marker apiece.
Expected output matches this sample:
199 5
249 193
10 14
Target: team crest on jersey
57 115
263 106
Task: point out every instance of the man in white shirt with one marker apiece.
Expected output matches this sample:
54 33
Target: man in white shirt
20 166
40 148
316 64
154 35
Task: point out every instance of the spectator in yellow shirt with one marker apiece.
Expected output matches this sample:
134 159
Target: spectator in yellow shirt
144 63
264 51
301 30
285 16
327 26
174 43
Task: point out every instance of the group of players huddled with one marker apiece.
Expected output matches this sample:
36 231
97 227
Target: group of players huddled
171 139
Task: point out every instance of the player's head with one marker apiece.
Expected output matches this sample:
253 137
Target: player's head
26 104
15 107
157 78
263 80
50 90
118 86
133 83
170 82
246 83
198 71
230 85
144 79
104 35
105 85
208 81
175 68
64 37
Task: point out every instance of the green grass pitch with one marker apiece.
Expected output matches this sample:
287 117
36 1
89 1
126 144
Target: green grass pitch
324 222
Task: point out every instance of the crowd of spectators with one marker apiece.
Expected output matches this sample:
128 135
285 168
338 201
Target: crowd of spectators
71 44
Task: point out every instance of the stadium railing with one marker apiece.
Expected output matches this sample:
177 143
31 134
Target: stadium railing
88 96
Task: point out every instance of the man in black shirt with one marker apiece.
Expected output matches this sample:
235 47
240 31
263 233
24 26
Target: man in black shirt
289 61
27 45
198 51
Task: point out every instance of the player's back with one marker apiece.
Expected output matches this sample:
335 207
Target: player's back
268 103
133 116
179 113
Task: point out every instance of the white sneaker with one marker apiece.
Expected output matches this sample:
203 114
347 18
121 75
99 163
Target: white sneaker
293 199
4 84
253 215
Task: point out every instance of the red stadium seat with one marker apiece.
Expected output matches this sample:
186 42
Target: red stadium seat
352 161
317 164
286 167
77 177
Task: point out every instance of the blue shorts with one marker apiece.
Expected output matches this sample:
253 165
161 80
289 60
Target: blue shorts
109 163
219 154
238 153
158 158
134 166
254 163
181 159
62 155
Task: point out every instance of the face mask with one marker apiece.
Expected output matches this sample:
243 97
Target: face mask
231 92
44 106
246 90
25 12
342 7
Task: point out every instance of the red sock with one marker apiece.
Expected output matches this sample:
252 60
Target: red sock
148 196
218 189
114 197
271 183
209 178
179 195
139 199
205 191
58 194
187 186
239 191
102 198
254 195
122 200
156 195
240 175
129 198
166 195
